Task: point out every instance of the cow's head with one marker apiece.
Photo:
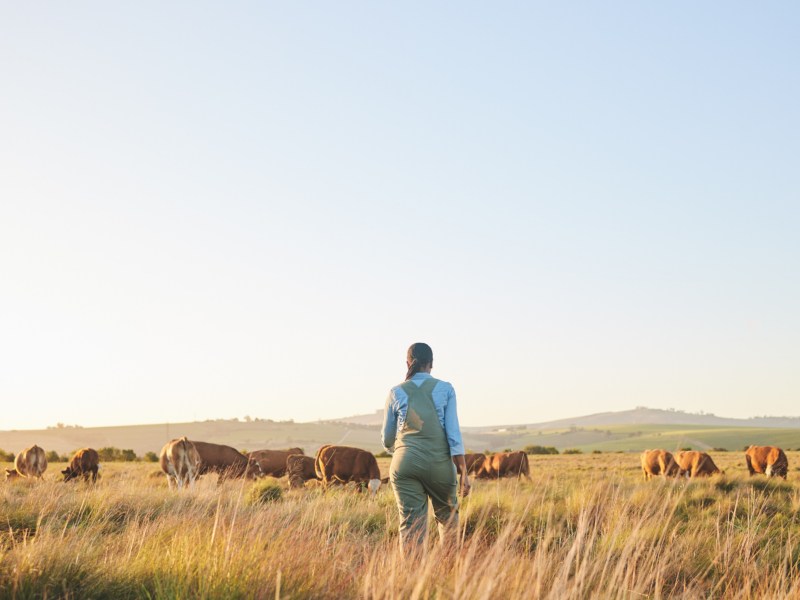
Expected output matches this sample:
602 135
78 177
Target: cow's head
253 470
11 474
69 473
373 486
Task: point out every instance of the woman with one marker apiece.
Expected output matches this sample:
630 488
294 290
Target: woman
421 425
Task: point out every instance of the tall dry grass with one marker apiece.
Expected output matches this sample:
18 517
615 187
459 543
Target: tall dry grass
584 527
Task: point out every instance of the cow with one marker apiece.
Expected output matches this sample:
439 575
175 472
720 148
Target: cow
227 462
273 462
300 469
84 462
695 464
658 462
341 464
180 462
31 462
474 463
769 460
505 464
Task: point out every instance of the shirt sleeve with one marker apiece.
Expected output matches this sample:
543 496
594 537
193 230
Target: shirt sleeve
451 427
389 431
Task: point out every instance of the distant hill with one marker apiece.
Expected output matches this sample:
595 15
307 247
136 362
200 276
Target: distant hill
654 416
631 430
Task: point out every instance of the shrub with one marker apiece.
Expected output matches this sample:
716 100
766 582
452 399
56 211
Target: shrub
151 457
573 451
597 451
383 454
540 450
720 449
6 456
111 454
264 492
686 449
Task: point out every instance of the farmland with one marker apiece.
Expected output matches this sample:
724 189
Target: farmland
586 525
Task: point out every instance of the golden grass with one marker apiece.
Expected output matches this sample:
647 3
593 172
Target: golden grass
586 526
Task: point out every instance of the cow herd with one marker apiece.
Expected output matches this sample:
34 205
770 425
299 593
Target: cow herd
768 460
183 461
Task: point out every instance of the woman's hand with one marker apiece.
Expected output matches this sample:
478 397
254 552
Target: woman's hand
465 486
461 467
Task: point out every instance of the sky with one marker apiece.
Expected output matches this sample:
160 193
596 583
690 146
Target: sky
212 210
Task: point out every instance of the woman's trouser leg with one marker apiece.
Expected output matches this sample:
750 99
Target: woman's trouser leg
412 503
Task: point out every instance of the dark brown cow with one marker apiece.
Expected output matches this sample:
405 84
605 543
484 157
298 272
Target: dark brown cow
300 469
273 462
180 461
696 464
341 464
85 462
474 463
769 460
659 462
227 462
31 462
505 464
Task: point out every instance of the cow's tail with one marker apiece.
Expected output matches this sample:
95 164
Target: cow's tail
319 468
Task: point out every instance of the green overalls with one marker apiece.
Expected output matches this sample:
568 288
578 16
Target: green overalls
422 468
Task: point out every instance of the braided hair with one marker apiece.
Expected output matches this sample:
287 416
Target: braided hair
419 355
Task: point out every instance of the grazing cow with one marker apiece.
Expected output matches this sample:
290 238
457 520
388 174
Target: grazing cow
505 464
85 461
695 464
273 462
227 462
31 462
769 460
341 464
474 463
659 462
180 462
300 469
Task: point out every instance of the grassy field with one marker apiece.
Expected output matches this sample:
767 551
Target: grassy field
586 525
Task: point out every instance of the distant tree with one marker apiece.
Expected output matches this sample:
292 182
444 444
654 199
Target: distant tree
6 456
573 451
720 449
686 449
383 454
151 457
248 419
597 451
507 450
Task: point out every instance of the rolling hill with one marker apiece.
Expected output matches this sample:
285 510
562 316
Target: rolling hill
632 430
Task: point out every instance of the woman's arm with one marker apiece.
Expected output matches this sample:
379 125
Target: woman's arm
389 431
461 467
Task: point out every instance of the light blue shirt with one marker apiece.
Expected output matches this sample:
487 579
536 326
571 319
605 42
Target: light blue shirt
444 400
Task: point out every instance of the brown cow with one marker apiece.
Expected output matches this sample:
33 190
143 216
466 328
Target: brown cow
695 464
341 464
31 462
474 463
769 460
273 462
505 464
659 462
180 462
300 469
84 462
227 462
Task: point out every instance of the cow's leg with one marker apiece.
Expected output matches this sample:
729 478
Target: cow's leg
749 464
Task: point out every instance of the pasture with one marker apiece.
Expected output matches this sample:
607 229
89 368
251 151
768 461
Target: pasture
587 525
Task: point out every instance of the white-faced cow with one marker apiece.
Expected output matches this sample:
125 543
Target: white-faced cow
342 464
227 462
85 462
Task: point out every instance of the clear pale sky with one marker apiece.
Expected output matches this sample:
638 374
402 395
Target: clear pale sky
225 209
